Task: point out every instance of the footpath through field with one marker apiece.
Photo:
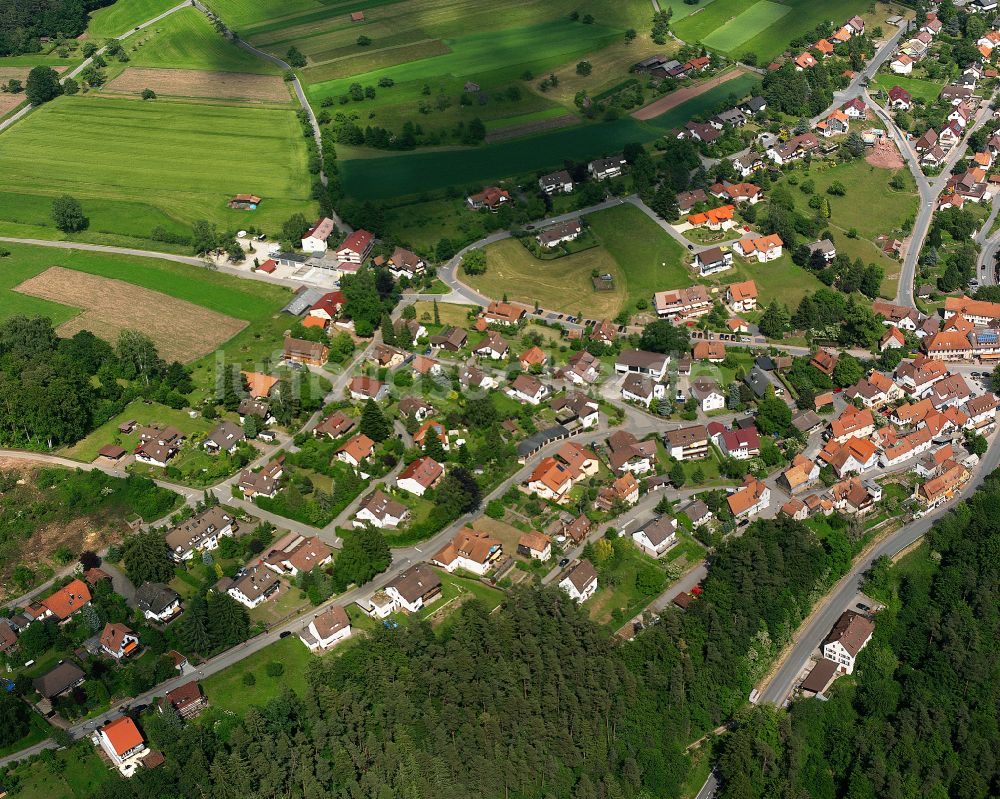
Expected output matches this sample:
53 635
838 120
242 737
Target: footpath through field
674 99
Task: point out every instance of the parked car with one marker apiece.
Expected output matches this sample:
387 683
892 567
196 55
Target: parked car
563 563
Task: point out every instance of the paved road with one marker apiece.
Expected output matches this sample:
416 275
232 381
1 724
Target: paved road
86 62
810 636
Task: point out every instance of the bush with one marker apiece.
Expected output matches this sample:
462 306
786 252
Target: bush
275 669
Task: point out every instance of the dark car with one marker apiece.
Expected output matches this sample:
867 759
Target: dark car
285 634
563 562
864 607
690 246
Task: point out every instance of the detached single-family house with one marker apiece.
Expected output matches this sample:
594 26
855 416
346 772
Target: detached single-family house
326 629
607 168
199 533
382 511
849 636
557 183
580 582
118 641
657 536
158 602
709 394
315 239
403 263
713 260
365 388
226 437
492 198
470 550
254 587
528 388
122 743
750 500
414 589
420 475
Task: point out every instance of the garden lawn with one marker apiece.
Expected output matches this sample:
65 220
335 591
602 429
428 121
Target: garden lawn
86 449
919 88
560 284
649 260
74 773
779 280
420 226
121 17
187 40
624 596
448 313
225 690
160 163
454 591
286 602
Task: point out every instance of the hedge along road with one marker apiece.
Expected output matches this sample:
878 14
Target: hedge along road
86 62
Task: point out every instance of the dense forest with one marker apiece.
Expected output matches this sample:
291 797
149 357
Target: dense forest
920 717
47 384
533 701
22 22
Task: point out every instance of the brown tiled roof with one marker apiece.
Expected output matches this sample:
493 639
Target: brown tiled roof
852 630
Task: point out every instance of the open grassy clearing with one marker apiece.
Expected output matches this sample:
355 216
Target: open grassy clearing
563 283
186 40
73 773
450 314
202 83
158 161
731 18
779 280
227 691
649 260
181 330
123 16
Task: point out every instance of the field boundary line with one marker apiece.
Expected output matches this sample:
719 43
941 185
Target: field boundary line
661 105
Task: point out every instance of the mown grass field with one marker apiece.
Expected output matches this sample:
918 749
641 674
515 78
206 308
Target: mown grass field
227 691
73 773
561 284
123 16
724 24
135 165
648 258
779 280
186 40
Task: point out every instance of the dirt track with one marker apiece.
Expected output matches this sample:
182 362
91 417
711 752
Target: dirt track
181 330
674 99
201 83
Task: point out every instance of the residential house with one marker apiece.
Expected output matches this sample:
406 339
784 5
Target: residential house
700 131
381 511
687 200
158 602
711 351
414 589
720 218
118 641
251 407
580 582
310 353
980 312
403 263
627 454
470 550
854 496
492 347
421 474
708 393
852 422
326 629
900 99
528 388
800 474
653 364
315 239
472 377
849 636
356 451
409 331
606 168
746 165
64 602
982 411
687 443
199 533
187 700
642 389
559 234
226 437
582 368
576 407
804 61
557 182
297 554
335 425
892 339
536 546
855 455
739 444
367 388
795 148
255 586
692 302
825 248
916 376
825 361
122 743
158 445
742 297
327 307
504 313
63 677
656 536
451 339
751 499
492 198
356 247
698 512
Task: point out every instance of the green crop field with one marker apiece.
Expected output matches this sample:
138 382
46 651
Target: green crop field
754 20
243 299
649 259
732 17
123 16
155 160
186 40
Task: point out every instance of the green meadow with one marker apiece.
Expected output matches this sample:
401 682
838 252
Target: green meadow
114 20
186 40
152 163
740 26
